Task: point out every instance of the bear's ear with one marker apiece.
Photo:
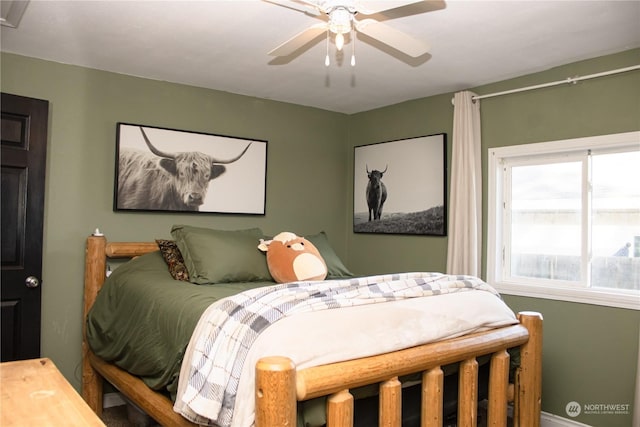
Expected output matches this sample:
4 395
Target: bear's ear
264 245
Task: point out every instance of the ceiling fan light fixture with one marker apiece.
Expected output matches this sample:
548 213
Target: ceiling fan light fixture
340 23
340 20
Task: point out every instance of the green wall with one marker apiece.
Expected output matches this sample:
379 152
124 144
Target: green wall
379 253
589 356
590 352
306 171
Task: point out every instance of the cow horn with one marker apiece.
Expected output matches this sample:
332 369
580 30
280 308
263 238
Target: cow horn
224 162
367 166
153 149
385 169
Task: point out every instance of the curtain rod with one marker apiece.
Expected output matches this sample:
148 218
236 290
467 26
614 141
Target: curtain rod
568 80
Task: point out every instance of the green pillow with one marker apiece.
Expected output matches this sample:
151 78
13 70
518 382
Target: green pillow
336 269
221 256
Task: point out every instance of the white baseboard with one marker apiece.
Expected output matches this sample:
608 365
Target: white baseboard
110 400
550 420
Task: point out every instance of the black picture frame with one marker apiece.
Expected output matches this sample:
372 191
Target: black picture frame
148 179
414 175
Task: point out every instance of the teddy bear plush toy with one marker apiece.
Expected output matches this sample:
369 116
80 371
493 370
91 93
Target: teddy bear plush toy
291 258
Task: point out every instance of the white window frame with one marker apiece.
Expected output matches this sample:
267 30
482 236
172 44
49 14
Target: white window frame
572 148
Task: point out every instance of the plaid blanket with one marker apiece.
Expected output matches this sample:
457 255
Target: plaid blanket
228 328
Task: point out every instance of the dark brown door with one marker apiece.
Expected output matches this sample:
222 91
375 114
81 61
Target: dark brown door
24 148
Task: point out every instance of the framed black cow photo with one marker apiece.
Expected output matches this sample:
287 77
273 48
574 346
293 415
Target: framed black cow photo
171 170
399 187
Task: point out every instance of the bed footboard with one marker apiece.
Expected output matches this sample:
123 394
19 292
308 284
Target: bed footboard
279 386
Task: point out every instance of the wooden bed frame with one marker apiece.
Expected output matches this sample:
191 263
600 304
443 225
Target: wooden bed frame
279 386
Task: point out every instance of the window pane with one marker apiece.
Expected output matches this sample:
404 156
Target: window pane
616 221
546 221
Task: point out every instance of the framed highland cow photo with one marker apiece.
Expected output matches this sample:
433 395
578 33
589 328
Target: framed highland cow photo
399 187
168 170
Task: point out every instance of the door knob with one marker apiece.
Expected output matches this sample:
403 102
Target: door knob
32 282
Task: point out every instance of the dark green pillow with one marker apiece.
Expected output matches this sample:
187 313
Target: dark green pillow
336 269
221 256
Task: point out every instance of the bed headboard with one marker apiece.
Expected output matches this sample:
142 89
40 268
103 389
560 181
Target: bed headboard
95 272
97 253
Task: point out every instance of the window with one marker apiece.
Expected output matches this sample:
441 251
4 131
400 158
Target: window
564 220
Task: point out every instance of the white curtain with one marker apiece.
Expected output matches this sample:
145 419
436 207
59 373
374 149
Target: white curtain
465 201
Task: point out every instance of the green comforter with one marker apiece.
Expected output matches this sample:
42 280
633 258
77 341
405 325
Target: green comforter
142 319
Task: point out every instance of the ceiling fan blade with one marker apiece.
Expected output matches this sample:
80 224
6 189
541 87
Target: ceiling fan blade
315 3
372 7
307 10
299 40
396 39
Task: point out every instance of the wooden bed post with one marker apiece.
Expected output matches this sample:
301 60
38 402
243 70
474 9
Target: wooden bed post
94 275
528 397
275 393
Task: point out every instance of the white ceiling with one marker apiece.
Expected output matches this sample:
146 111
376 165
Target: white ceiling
223 45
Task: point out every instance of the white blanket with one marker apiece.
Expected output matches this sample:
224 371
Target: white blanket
312 338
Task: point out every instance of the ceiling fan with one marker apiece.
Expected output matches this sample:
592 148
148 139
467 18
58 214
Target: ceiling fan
339 18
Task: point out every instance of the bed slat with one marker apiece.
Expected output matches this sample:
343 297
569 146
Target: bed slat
468 394
390 411
340 409
432 397
498 389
